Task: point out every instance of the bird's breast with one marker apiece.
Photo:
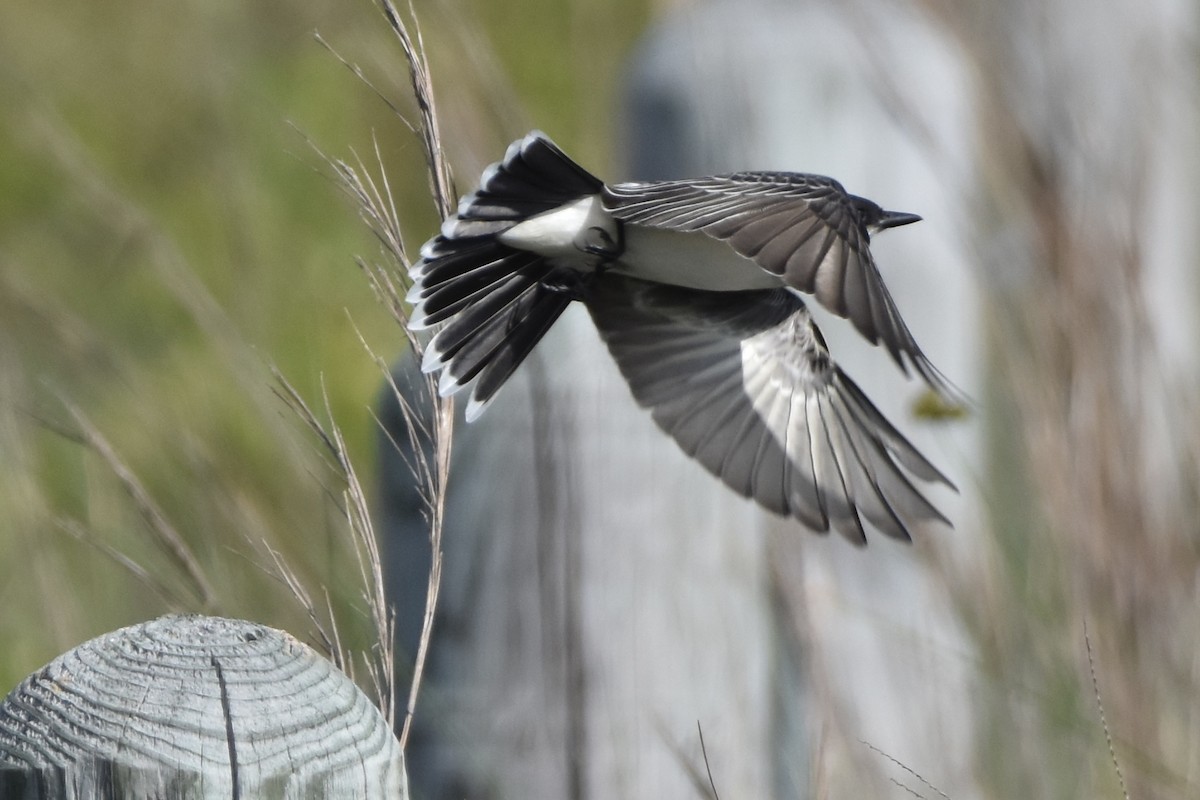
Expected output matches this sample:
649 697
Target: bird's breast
691 259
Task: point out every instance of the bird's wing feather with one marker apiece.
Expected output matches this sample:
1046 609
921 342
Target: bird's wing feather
742 381
800 227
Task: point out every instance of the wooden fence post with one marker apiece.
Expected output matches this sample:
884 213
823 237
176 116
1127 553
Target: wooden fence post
195 707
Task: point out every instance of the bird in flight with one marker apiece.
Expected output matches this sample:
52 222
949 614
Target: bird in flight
695 287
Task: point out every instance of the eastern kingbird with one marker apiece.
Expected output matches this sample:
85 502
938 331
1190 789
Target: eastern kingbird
695 287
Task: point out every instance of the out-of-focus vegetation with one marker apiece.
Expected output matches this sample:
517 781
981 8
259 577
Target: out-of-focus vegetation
167 235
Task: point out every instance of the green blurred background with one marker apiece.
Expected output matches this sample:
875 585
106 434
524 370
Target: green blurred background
167 235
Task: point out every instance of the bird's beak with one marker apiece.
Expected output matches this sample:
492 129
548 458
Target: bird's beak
894 219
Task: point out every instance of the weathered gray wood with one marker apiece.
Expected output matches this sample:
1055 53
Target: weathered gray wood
190 707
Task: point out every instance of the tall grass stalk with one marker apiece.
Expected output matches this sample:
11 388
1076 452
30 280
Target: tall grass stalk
372 195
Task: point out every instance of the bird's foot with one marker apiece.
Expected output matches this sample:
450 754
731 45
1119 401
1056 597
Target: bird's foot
570 282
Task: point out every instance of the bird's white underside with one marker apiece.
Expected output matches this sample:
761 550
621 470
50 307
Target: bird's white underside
690 259
563 233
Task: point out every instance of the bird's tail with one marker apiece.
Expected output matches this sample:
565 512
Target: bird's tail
495 299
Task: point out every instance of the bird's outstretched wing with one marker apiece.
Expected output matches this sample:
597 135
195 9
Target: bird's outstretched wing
744 384
801 227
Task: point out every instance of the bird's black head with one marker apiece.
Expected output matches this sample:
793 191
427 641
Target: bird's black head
874 218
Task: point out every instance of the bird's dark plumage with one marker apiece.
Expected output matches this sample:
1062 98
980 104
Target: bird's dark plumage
804 228
694 288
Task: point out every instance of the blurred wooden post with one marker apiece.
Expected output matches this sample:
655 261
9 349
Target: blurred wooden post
195 707
602 594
